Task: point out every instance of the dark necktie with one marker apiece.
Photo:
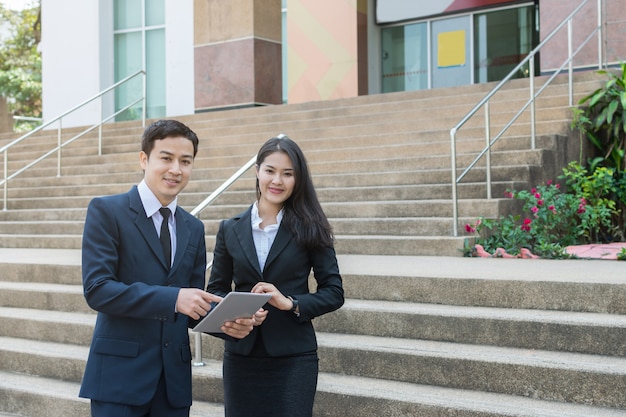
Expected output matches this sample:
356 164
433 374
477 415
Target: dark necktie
166 243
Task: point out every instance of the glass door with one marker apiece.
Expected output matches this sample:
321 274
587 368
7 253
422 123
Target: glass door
451 56
405 58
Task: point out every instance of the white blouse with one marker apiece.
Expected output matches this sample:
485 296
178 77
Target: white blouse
263 238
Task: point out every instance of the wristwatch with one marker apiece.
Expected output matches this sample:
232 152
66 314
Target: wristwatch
295 307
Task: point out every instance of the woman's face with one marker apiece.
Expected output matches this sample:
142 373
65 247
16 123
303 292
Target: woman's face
277 179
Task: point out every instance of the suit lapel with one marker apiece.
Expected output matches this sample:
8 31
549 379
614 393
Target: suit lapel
243 230
283 237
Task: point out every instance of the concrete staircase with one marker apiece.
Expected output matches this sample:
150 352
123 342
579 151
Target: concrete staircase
420 335
381 165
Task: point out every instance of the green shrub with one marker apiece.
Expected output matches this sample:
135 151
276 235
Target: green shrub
554 217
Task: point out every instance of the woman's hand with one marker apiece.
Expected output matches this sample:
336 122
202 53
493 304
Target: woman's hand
278 300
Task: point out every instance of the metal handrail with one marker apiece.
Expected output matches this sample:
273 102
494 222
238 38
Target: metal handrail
530 59
196 212
60 144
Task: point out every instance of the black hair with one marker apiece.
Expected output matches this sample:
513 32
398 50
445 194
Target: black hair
303 214
162 129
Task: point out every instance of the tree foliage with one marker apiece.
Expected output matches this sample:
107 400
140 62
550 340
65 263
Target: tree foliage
20 60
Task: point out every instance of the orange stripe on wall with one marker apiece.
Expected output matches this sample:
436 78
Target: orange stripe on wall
322 49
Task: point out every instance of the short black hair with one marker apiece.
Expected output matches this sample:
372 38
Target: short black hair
162 129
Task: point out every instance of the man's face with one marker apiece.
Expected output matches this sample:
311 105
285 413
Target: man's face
168 167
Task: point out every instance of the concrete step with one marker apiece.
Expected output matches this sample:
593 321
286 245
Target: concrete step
345 244
553 376
353 395
359 161
508 327
371 208
566 331
540 284
36 396
401 226
243 196
368 147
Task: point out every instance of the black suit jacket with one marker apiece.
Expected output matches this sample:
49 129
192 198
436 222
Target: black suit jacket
138 336
288 267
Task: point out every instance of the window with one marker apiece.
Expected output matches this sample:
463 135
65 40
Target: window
139 42
502 39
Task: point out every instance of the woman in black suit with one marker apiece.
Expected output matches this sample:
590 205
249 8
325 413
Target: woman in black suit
271 248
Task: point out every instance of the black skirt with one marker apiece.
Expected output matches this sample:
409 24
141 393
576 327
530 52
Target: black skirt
269 387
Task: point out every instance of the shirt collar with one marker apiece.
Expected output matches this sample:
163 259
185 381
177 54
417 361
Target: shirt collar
151 204
256 219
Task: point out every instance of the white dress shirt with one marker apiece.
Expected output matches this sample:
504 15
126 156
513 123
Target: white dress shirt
263 238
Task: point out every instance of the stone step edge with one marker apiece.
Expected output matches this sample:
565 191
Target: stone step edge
539 359
563 317
47 389
358 389
573 271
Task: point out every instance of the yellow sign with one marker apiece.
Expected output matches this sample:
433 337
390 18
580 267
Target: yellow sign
451 49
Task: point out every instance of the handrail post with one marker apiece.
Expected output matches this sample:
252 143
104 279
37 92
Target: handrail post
59 146
455 208
600 49
145 102
570 68
6 178
198 350
533 132
100 127
488 145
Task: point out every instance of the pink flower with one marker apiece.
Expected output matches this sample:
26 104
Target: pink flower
533 190
549 182
540 203
508 194
469 229
526 226
552 209
534 210
558 185
581 209
537 196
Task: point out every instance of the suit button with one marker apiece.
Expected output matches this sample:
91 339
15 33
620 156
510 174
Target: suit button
166 344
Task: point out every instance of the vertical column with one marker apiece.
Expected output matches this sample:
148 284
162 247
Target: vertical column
237 53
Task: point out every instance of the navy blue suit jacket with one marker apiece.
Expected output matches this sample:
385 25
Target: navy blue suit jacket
288 267
138 336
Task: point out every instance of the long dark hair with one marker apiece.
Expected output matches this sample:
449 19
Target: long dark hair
303 214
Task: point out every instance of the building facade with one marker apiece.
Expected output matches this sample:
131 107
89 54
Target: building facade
205 55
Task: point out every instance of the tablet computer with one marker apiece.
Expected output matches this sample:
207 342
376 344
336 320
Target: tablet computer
235 305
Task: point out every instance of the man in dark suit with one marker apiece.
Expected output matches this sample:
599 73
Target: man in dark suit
140 358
